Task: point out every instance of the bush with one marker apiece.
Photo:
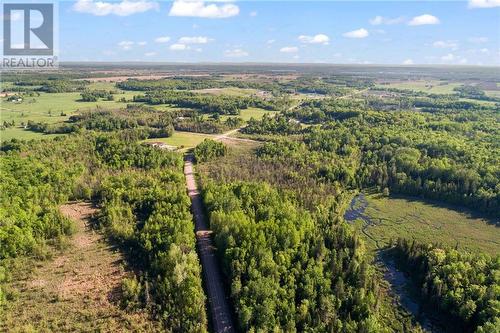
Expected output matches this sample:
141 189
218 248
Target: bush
131 292
209 149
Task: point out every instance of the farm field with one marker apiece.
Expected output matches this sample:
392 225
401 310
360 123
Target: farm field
49 108
46 106
229 91
393 217
37 108
432 87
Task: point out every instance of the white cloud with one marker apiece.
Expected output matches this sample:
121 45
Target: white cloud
235 53
360 33
178 47
124 8
126 44
424 20
198 8
449 57
289 49
484 3
194 40
270 41
379 20
142 43
162 39
337 55
445 44
316 39
253 14
478 40
150 54
484 50
408 62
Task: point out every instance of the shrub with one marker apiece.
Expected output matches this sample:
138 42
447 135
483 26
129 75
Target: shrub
131 292
208 150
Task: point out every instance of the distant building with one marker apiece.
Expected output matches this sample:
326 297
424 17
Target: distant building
161 145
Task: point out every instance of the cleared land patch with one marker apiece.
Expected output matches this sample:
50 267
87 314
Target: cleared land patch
247 114
183 139
78 290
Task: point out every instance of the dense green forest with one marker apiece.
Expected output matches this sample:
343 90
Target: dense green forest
332 85
284 274
461 285
223 104
143 203
439 155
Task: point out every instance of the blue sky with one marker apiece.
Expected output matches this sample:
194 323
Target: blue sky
394 32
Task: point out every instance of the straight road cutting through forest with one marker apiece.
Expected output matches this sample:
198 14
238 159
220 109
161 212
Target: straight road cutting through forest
220 311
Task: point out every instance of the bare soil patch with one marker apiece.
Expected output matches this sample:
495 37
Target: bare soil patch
79 290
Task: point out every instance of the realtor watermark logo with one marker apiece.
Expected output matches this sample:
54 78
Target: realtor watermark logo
29 36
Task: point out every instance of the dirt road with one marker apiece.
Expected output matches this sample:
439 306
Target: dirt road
220 311
227 137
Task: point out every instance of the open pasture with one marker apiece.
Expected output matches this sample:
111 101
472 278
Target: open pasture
431 87
48 108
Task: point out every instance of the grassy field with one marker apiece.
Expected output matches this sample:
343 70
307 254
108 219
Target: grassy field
485 103
183 139
21 133
229 91
427 222
43 107
493 93
435 87
247 114
48 108
56 108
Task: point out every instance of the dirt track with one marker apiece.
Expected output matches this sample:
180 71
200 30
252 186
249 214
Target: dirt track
220 311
